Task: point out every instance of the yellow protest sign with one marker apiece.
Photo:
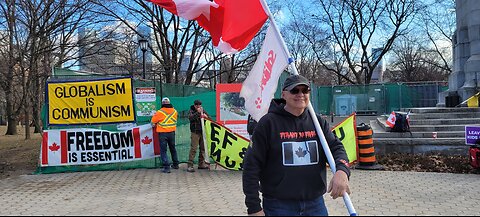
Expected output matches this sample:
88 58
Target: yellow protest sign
346 132
90 102
225 147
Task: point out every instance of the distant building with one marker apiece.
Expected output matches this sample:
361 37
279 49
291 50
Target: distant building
378 72
112 56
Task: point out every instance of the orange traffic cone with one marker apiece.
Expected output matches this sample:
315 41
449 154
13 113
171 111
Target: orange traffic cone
366 150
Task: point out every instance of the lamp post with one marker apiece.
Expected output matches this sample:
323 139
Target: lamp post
365 70
143 46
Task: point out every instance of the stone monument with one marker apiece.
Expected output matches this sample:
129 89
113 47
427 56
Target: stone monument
463 82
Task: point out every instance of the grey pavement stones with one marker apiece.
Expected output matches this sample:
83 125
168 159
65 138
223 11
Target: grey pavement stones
219 192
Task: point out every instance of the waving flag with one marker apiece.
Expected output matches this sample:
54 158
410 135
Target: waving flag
346 131
260 86
391 120
232 24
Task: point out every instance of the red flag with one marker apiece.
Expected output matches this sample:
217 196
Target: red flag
232 24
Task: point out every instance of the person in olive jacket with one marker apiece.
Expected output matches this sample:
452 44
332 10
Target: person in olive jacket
194 115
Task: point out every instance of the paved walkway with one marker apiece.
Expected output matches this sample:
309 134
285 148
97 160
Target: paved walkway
219 192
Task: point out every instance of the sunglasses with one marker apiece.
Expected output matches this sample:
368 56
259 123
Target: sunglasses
297 91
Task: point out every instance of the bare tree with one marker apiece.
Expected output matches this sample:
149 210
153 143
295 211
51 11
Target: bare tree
412 61
40 35
358 25
437 22
311 47
9 79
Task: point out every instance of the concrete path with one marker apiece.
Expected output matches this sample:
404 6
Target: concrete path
219 192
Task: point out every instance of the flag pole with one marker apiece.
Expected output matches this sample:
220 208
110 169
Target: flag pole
323 140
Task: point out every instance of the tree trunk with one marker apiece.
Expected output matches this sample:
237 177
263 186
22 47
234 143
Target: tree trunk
11 126
27 123
11 118
37 120
36 107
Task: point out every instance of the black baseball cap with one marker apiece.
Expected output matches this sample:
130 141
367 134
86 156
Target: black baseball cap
293 81
197 102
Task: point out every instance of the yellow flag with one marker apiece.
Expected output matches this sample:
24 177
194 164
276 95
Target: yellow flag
346 132
225 147
472 102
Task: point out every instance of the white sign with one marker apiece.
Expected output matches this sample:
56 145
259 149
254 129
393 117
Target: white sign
145 98
145 94
240 129
92 146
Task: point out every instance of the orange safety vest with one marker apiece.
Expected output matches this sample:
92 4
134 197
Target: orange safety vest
166 120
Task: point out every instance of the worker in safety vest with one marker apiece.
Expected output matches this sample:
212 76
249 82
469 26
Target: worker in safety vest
165 121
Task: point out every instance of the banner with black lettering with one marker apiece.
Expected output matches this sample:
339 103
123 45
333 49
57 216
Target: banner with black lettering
346 132
90 102
92 146
225 147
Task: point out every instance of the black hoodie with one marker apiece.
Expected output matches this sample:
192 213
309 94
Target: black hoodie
287 158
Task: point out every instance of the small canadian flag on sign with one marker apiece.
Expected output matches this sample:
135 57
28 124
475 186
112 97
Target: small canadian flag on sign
54 148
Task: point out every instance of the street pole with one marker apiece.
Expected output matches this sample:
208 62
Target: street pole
161 84
143 75
143 46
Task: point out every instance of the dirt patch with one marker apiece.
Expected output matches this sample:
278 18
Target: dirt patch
427 163
17 155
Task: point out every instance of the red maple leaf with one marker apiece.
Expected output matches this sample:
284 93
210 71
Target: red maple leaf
54 147
146 140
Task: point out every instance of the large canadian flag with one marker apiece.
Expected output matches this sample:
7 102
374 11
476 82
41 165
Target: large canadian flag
232 24
260 86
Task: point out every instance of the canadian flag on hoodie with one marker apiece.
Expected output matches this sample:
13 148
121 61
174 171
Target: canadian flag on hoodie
92 146
232 24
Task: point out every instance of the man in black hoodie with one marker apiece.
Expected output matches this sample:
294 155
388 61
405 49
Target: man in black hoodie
286 161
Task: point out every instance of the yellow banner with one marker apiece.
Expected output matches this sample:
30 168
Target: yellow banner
225 147
91 102
346 132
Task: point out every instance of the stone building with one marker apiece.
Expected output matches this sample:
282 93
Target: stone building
464 81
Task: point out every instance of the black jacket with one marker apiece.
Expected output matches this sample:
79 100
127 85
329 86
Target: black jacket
195 120
251 124
287 158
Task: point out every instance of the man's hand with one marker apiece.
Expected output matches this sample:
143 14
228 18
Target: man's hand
338 185
260 213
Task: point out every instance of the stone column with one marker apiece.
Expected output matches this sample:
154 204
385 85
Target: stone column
472 33
465 78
